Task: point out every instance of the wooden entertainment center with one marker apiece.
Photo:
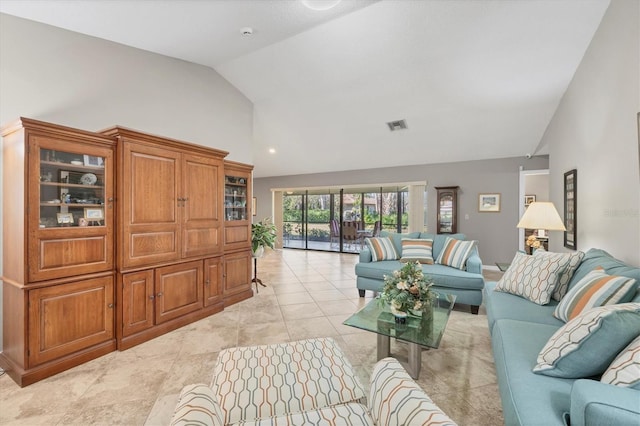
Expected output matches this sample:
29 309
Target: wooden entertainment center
112 239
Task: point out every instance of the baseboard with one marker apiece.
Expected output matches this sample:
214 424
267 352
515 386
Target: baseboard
490 268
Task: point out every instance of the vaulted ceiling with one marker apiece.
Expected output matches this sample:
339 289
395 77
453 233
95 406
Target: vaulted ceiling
473 79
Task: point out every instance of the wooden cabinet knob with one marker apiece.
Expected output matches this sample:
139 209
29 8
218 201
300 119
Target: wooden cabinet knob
152 297
110 305
159 294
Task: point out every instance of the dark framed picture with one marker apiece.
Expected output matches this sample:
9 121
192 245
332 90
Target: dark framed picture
571 209
528 199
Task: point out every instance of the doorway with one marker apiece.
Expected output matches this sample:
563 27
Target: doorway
534 186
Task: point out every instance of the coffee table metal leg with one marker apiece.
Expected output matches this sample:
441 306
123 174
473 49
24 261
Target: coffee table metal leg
384 346
415 360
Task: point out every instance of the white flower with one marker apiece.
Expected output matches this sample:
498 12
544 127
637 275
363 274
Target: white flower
418 305
402 286
396 274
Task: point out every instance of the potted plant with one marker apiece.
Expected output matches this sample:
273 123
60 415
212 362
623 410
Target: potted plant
408 289
263 234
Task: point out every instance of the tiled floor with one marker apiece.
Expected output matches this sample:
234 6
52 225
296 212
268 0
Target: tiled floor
309 294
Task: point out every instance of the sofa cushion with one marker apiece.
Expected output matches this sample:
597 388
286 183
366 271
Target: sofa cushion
397 238
344 414
595 289
417 249
508 306
381 248
274 380
625 369
587 344
527 398
396 400
455 253
443 276
612 266
572 261
197 406
532 277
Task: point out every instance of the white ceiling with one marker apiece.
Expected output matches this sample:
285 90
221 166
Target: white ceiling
474 79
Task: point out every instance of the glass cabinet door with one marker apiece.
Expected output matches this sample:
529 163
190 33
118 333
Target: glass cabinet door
235 198
72 189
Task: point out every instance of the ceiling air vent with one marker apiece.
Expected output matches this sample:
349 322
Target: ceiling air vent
397 125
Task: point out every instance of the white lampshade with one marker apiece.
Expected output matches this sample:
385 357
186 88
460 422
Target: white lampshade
541 215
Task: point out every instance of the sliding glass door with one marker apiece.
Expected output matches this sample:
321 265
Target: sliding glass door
340 220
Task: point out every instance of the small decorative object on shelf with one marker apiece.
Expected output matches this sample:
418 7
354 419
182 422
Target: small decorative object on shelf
408 290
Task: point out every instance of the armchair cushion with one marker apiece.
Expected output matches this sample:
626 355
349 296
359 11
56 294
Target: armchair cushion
197 406
395 399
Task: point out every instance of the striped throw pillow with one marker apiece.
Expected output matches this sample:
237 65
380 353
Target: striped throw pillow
588 344
625 369
420 250
395 399
572 261
381 249
455 253
595 289
531 277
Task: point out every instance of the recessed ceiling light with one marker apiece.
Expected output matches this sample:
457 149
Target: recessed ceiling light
246 31
320 4
272 150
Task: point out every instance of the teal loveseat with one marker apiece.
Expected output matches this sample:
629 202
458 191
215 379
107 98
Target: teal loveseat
466 284
519 330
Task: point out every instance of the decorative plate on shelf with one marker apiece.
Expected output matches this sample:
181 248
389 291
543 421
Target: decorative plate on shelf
88 179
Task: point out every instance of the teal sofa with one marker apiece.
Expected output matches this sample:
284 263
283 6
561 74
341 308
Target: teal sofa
467 285
519 330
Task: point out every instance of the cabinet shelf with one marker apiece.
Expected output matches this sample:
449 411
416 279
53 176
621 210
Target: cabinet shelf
71 185
69 166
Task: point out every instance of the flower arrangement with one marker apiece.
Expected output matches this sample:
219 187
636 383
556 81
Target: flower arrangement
533 242
407 289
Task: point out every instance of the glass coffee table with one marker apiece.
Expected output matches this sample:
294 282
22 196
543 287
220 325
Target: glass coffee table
419 332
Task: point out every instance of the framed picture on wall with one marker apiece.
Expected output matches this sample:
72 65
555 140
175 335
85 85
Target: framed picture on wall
488 203
254 203
528 199
570 209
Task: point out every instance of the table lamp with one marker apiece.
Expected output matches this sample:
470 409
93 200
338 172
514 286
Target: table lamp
542 216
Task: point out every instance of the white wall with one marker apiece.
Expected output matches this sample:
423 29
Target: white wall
595 131
71 79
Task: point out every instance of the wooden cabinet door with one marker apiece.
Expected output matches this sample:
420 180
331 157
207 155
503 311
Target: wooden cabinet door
201 204
67 318
237 272
58 250
213 278
150 213
137 302
179 290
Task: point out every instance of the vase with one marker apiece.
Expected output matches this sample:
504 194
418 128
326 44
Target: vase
400 317
426 322
258 252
